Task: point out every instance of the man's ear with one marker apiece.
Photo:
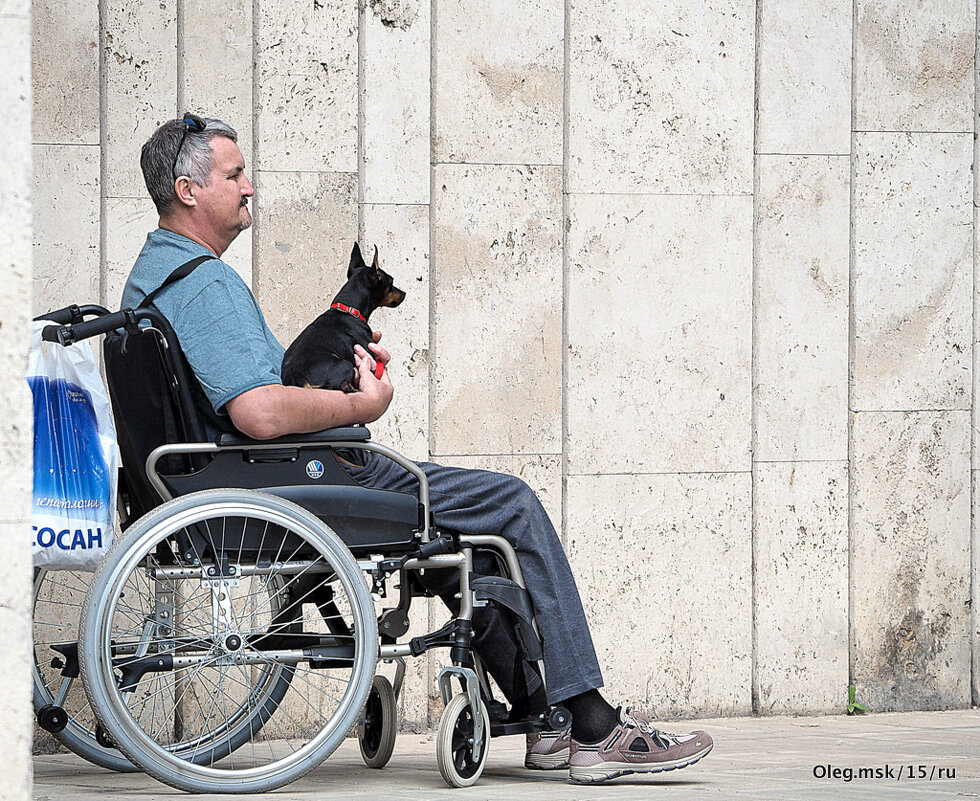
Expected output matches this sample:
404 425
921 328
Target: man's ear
356 261
184 190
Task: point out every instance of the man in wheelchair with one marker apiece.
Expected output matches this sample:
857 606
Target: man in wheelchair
195 174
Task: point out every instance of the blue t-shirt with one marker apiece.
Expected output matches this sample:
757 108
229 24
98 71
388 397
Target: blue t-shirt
214 314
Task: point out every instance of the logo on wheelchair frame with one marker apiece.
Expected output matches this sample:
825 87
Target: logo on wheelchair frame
314 468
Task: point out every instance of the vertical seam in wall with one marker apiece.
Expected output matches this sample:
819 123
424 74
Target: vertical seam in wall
361 119
431 663
565 221
180 94
433 345
754 654
974 540
850 352
103 127
256 178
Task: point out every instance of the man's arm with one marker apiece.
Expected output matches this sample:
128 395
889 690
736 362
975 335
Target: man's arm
275 410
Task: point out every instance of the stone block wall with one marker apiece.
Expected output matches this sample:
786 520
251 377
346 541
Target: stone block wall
703 274
16 421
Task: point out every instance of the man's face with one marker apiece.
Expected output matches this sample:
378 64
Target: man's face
225 201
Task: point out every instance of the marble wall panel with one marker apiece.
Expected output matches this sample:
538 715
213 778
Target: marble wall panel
542 473
395 95
15 10
16 427
801 307
15 667
15 589
659 316
801 587
804 77
913 271
910 559
140 74
913 65
670 557
66 225
306 225
65 77
499 82
661 97
16 460
127 222
401 234
306 97
497 310
215 65
16 431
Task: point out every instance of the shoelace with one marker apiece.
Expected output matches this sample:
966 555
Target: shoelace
661 738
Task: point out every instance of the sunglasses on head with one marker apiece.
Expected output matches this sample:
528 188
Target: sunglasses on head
194 124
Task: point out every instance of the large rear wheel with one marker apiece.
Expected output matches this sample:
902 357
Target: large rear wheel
228 642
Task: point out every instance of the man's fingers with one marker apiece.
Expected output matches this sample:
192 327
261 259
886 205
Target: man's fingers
380 354
360 353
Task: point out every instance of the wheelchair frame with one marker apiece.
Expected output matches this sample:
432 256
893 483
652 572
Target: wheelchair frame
466 725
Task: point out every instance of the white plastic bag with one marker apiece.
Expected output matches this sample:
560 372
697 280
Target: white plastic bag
76 459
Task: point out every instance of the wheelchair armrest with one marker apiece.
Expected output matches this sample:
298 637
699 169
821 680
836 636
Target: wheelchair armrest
343 434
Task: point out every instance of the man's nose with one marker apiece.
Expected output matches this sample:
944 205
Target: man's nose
249 190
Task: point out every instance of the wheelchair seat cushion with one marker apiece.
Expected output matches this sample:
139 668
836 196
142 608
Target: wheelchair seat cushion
367 520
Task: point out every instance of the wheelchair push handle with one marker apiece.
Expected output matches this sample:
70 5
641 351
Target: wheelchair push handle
74 313
68 334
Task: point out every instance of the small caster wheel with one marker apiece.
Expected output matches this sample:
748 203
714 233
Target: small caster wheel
376 734
102 737
454 743
52 718
559 718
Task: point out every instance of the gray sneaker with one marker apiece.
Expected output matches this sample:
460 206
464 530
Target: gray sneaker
547 750
635 746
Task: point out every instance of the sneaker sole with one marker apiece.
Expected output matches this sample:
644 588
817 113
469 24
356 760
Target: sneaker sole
606 771
547 761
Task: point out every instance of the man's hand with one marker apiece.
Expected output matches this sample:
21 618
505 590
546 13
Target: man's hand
379 352
377 392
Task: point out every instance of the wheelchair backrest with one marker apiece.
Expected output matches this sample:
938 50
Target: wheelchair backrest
156 400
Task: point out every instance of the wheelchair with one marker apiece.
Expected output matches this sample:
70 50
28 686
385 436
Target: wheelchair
230 639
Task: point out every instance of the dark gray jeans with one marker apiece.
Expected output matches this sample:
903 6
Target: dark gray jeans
481 502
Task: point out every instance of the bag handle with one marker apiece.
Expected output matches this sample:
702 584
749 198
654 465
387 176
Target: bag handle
183 271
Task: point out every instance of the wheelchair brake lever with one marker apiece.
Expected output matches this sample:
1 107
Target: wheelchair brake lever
444 543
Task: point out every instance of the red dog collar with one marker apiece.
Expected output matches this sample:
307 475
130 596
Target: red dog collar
379 371
349 310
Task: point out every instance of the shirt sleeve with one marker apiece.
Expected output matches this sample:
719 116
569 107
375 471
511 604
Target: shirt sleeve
227 343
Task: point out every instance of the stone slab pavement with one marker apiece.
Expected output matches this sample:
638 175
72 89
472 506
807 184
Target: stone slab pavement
917 755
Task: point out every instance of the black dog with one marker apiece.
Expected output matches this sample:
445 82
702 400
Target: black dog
323 355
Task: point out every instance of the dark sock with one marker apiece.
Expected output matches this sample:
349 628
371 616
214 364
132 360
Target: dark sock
593 719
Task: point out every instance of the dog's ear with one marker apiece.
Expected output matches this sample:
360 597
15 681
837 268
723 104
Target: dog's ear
375 264
356 261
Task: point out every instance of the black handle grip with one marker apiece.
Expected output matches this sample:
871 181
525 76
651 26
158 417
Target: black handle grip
55 333
68 335
100 325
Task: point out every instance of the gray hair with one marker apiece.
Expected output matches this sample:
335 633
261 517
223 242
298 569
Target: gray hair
194 161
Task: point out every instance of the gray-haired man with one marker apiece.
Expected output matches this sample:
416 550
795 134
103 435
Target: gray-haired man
195 174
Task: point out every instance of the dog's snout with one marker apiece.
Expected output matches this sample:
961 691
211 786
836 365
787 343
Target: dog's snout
393 297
